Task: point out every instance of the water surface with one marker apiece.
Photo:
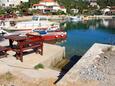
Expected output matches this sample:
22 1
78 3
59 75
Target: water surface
82 35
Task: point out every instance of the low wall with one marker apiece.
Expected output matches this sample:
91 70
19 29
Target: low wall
52 17
100 17
55 58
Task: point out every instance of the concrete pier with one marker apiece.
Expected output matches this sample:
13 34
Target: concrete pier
50 17
93 69
52 54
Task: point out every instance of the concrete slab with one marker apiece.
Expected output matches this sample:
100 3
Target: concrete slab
51 55
93 68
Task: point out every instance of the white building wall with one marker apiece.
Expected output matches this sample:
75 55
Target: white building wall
56 8
25 0
64 10
6 3
38 7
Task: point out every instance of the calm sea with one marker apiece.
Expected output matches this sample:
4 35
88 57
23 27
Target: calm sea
82 35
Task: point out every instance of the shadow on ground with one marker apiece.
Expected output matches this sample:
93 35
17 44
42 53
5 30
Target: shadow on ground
74 59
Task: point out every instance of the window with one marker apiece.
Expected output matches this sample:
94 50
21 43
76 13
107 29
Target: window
11 5
3 4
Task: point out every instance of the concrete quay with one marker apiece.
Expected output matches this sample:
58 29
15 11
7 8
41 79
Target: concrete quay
95 68
52 54
50 17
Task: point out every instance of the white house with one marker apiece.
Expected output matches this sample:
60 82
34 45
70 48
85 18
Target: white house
109 10
7 3
48 6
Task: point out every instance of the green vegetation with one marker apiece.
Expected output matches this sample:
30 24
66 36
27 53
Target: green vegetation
60 12
34 2
2 11
104 3
38 66
83 7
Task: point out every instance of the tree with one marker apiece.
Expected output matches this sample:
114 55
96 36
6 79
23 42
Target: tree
104 3
81 5
33 2
68 4
9 10
59 12
22 8
76 4
2 11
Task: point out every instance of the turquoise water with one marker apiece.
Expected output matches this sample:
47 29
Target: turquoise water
82 35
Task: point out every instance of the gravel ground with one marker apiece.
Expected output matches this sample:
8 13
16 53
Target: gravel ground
95 68
102 69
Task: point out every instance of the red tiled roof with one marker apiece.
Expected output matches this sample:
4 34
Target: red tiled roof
38 5
62 7
113 7
48 0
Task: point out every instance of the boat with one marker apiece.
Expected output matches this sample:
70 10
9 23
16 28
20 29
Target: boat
47 36
37 23
6 33
75 18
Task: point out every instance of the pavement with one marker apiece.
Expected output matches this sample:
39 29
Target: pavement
26 68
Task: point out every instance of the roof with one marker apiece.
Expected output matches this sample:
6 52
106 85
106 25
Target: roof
113 7
38 5
62 7
112 10
48 0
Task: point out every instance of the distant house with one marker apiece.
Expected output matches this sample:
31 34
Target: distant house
7 3
93 3
48 6
112 9
109 10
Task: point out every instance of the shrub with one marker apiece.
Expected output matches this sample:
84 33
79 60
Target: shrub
38 66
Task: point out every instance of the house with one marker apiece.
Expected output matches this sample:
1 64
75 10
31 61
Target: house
112 9
7 3
106 11
46 6
109 10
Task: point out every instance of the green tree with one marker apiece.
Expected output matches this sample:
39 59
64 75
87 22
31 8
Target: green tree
33 2
67 3
9 10
2 11
23 8
76 4
104 3
82 5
